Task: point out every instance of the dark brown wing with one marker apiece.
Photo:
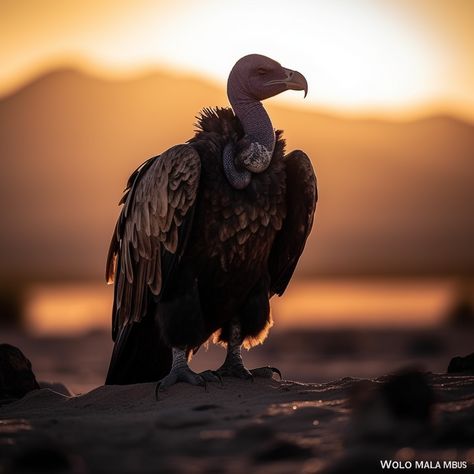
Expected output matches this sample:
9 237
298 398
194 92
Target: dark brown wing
151 231
301 198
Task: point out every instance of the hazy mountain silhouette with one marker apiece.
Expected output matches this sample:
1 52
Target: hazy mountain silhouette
394 197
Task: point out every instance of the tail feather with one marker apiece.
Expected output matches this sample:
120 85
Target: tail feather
139 355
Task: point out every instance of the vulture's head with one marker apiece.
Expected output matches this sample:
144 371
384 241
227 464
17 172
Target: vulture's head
256 77
252 79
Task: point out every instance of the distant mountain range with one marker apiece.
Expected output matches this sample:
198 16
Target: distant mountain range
395 197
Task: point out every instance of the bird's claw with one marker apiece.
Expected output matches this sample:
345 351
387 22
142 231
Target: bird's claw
185 374
241 372
266 372
234 370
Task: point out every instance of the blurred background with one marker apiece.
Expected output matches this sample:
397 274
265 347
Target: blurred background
91 89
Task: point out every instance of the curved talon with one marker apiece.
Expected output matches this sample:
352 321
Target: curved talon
242 373
266 372
276 371
185 374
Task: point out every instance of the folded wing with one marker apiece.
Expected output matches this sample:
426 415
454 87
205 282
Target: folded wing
301 198
151 232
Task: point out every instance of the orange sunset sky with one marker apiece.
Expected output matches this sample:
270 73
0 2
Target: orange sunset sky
395 195
377 57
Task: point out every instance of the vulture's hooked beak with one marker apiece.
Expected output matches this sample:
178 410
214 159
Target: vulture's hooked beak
294 80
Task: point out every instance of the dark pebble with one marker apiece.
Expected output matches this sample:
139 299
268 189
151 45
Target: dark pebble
462 365
16 375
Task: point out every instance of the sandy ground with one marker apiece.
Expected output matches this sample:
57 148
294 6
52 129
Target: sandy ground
239 427
331 425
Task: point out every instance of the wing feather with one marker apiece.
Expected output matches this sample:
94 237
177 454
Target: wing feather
301 198
155 219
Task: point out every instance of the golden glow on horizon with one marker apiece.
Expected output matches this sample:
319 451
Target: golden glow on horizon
363 303
68 308
360 56
77 308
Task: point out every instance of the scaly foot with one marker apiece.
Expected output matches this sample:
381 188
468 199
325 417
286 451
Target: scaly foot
234 367
265 372
180 372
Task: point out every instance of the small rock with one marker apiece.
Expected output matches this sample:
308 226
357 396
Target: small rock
462 365
16 376
409 396
399 408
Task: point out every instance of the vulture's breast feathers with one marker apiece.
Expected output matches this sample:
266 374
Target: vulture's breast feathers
236 227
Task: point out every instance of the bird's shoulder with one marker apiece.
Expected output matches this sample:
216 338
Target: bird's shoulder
219 120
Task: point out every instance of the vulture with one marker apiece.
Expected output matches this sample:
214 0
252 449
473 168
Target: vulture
209 231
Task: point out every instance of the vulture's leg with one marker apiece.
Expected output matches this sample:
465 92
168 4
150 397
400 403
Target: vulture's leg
233 365
180 372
